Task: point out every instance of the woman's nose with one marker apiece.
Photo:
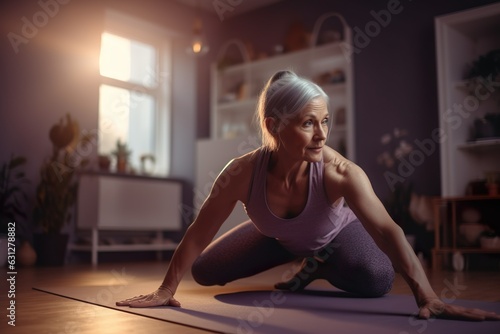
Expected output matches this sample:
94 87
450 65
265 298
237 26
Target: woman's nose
320 132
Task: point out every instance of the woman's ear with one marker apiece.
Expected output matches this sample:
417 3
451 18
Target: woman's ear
271 125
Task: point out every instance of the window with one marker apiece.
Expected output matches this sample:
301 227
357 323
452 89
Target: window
134 91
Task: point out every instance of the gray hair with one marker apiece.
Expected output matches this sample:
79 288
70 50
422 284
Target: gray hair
283 97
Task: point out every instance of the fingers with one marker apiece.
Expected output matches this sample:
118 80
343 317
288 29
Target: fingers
173 302
152 302
477 314
147 303
127 302
157 298
424 313
492 316
457 312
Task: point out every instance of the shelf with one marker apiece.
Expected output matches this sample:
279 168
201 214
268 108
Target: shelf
448 218
466 198
237 104
461 38
334 88
481 145
331 49
111 204
468 250
231 117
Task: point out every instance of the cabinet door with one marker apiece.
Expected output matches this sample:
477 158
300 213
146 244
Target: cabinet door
139 204
127 203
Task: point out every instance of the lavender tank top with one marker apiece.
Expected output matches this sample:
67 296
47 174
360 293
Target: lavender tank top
314 228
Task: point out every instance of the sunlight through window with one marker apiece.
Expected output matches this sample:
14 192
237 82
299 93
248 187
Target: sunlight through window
115 60
132 97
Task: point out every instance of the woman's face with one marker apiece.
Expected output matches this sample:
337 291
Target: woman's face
304 136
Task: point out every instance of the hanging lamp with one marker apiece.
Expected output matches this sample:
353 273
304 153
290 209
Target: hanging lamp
198 45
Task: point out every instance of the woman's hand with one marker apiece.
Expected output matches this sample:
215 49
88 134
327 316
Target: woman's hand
161 297
437 308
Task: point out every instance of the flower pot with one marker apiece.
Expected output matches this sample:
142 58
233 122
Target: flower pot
51 249
104 163
26 255
121 165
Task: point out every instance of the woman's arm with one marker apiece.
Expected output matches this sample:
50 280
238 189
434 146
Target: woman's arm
217 207
389 237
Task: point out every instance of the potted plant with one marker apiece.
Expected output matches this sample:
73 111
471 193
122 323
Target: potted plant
485 66
122 154
57 190
12 200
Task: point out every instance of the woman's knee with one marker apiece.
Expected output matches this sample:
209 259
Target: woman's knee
377 280
202 274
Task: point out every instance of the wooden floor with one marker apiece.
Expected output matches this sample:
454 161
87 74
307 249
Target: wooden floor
39 312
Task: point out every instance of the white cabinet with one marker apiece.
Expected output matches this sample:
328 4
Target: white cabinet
234 91
460 39
112 202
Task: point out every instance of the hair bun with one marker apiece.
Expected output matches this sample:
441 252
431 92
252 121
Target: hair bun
281 74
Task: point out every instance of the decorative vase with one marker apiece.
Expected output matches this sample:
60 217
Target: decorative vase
104 162
121 164
26 255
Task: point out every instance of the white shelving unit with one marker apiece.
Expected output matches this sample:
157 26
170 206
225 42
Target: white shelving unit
460 39
126 203
235 89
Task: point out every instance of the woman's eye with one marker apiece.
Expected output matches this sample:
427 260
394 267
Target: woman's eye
326 120
308 123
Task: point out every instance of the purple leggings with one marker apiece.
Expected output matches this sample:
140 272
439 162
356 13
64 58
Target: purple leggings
351 262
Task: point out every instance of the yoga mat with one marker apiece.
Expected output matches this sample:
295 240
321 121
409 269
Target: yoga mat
248 309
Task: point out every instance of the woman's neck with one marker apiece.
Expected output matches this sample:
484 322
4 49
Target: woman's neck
286 169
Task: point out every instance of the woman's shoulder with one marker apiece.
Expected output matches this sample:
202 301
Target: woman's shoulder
247 159
341 175
338 167
242 165
340 172
238 174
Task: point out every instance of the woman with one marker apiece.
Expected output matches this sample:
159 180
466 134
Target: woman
293 189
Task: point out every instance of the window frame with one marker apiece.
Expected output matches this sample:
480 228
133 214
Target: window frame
129 27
